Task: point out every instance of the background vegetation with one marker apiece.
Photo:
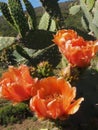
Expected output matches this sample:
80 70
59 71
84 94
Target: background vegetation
70 20
88 79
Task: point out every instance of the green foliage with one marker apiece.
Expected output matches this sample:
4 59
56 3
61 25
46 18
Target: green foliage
7 58
69 21
52 7
89 19
18 16
31 37
93 28
4 102
90 4
4 25
95 12
22 52
31 15
6 41
74 22
25 22
50 54
47 23
52 26
6 51
44 22
6 13
74 9
63 63
38 39
84 23
11 114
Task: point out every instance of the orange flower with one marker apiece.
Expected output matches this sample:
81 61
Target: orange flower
78 51
16 84
54 98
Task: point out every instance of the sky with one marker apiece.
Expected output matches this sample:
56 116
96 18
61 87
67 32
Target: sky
35 3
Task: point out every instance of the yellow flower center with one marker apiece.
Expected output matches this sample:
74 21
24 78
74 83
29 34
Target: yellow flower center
57 96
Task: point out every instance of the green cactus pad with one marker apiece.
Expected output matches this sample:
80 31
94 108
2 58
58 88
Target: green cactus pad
6 13
18 16
31 13
6 41
47 23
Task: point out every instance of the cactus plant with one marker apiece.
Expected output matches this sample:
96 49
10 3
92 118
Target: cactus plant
89 18
7 57
33 36
31 13
6 51
52 7
50 54
18 16
5 42
6 13
25 22
46 23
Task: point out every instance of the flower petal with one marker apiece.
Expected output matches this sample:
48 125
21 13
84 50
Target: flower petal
78 51
16 84
73 108
54 98
39 106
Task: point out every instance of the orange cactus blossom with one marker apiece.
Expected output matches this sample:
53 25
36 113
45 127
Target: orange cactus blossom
54 99
16 84
78 51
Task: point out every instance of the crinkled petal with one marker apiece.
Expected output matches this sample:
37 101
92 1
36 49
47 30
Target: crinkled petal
39 106
73 108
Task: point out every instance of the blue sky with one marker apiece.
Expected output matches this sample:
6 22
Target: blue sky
35 3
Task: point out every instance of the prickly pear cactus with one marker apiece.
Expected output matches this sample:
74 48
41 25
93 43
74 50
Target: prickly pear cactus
90 15
6 52
33 37
6 13
18 16
6 41
52 7
47 23
26 24
50 54
31 15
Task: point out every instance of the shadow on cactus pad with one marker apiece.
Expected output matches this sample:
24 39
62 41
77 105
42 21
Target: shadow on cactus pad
50 54
87 87
37 39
